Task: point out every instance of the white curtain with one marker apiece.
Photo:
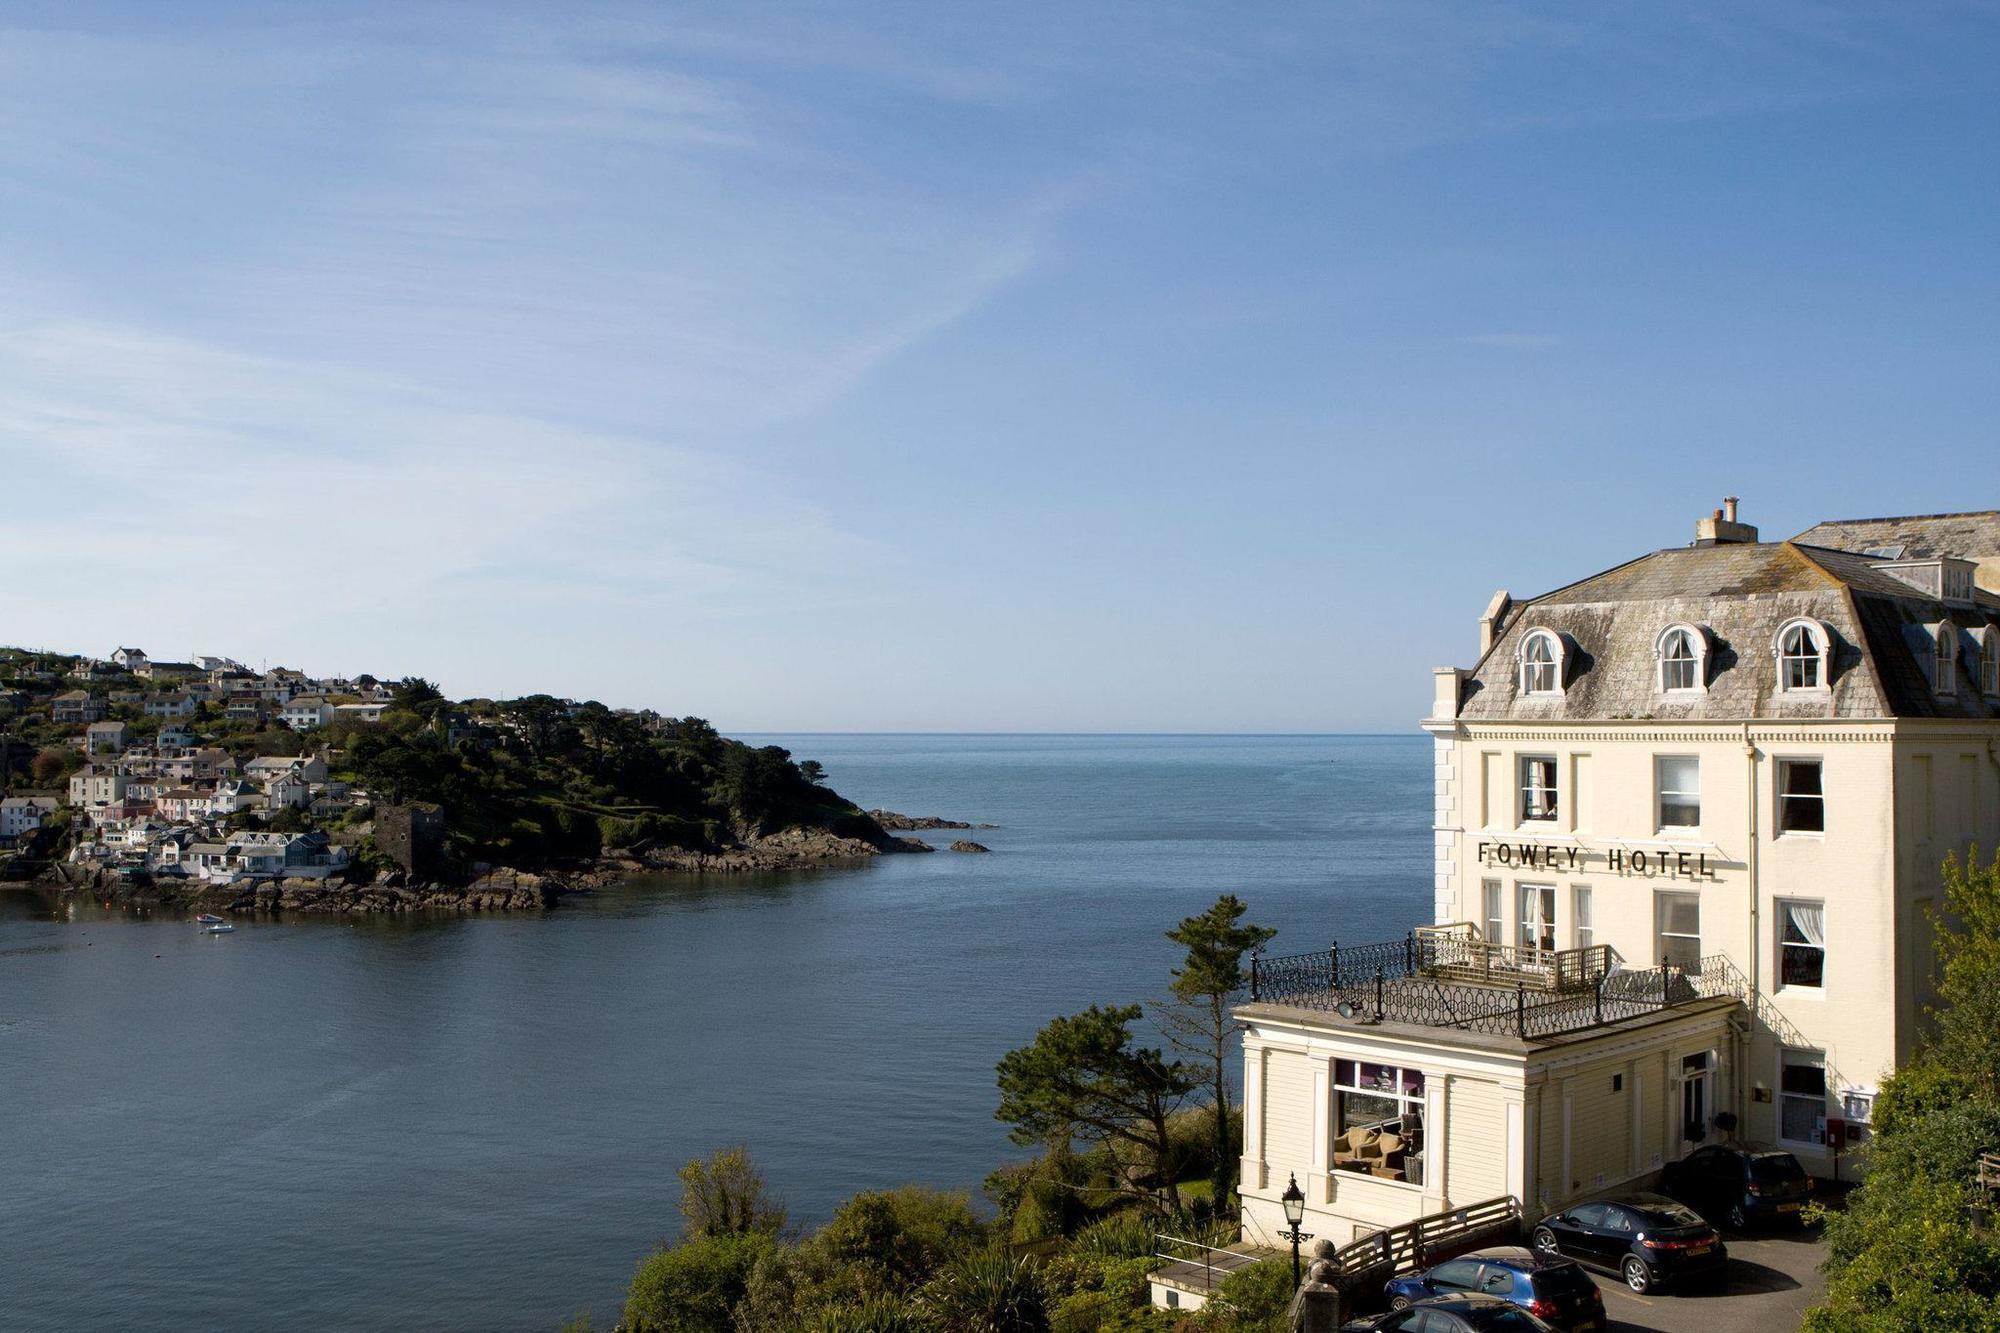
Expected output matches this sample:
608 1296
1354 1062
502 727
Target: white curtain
1808 922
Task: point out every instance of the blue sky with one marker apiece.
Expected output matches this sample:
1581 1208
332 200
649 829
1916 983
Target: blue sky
962 367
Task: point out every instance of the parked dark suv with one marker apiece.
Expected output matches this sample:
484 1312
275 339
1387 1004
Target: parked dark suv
1470 1313
1553 1289
1648 1240
1743 1186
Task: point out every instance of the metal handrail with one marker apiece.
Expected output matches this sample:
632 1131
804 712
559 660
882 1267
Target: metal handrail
1237 1259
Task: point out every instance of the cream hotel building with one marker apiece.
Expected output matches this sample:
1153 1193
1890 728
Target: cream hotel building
1690 813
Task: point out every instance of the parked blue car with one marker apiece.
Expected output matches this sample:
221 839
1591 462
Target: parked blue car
1553 1289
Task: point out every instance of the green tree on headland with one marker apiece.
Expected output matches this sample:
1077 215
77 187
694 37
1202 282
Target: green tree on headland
1198 1021
1903 1257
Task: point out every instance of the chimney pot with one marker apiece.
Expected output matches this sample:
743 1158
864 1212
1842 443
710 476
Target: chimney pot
1729 507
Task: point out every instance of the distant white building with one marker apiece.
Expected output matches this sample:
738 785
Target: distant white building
23 814
104 738
306 712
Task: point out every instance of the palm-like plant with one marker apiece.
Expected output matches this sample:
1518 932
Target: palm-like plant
987 1292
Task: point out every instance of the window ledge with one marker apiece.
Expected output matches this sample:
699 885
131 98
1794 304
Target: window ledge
1799 993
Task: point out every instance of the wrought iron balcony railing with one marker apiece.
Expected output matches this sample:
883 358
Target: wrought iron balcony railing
1423 979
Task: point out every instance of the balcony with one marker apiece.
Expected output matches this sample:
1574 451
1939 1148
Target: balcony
1447 977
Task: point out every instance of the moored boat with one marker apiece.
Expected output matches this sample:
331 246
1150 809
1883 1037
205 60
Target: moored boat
223 929
208 919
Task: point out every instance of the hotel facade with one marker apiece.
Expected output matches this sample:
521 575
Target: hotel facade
1689 819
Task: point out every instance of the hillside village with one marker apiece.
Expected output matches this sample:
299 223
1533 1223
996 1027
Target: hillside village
208 777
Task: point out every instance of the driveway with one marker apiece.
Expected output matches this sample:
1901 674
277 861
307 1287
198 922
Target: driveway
1769 1283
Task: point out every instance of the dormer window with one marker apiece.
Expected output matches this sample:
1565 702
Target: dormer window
1541 663
1802 656
1989 662
1944 662
1683 654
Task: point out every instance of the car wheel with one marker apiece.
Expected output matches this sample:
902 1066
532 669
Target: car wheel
1545 1241
1636 1276
1400 1303
1738 1219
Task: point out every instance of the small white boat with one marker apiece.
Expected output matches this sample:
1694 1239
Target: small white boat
224 929
208 919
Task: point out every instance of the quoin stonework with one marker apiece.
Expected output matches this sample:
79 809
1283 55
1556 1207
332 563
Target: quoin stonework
1690 813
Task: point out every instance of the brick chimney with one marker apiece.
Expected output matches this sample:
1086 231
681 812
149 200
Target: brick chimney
1721 527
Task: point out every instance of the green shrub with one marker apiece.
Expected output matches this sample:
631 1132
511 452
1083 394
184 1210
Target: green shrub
987 1292
894 1240
1253 1300
694 1286
1125 1235
877 1314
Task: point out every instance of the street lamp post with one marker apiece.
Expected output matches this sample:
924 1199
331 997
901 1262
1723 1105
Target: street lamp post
1294 1201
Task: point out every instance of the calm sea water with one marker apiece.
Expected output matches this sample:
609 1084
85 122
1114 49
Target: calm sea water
476 1123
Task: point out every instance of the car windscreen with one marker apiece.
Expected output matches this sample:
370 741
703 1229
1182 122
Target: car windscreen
1673 1215
1561 1280
1776 1169
1507 1319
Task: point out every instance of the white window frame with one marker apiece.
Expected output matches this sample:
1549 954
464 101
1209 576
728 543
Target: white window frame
1780 922
1778 796
1535 919
1660 792
1818 1058
1661 935
1546 799
1539 675
1582 927
1695 665
1820 656
1944 659
1493 910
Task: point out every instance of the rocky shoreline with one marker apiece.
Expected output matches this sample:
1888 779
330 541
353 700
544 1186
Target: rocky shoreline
492 889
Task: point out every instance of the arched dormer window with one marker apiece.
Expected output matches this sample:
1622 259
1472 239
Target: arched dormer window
1541 658
1682 651
1988 640
1944 661
1801 649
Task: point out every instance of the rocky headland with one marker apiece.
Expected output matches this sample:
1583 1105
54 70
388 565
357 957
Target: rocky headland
484 888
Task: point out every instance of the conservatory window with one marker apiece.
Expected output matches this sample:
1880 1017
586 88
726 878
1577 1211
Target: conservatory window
1378 1120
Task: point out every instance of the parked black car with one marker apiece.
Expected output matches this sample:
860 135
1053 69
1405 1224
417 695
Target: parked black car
1553 1289
1647 1239
1744 1186
1471 1313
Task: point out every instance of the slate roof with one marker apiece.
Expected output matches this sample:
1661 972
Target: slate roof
1972 536
1740 595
